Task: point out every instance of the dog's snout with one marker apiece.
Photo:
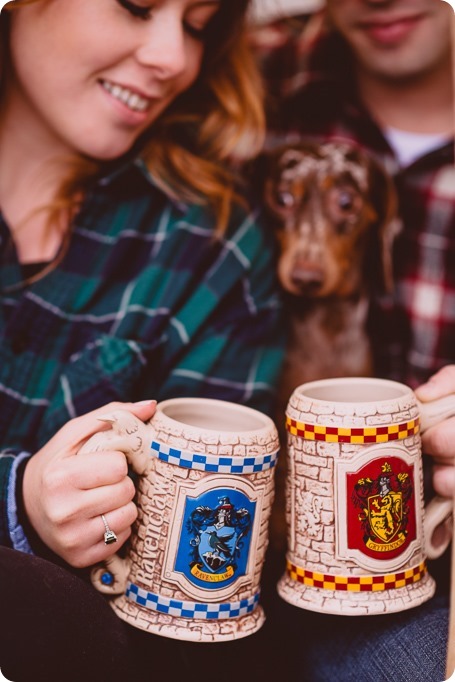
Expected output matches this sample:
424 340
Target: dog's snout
307 277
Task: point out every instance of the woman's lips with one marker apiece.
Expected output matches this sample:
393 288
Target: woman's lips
389 33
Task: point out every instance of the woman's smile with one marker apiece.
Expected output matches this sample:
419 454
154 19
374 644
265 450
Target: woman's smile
108 73
128 96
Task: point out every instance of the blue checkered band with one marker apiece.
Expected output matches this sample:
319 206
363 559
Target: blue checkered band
190 609
213 463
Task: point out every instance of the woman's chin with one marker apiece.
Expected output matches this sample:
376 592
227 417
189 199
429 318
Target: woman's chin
107 152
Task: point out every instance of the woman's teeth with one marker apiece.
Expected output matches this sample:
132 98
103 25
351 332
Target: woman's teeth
131 99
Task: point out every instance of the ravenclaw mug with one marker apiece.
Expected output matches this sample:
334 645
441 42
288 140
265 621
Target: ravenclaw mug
204 495
355 510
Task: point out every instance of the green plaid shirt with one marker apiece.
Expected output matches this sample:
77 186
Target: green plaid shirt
146 303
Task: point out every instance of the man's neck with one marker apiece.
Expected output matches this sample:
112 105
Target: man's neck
420 106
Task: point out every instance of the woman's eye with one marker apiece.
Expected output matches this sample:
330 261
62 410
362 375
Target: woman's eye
197 32
198 19
139 11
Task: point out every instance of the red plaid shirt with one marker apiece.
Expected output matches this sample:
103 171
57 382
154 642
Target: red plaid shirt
311 94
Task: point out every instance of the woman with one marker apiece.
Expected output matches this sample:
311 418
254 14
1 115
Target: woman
130 270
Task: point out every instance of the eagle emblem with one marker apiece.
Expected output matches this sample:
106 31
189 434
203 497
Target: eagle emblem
215 538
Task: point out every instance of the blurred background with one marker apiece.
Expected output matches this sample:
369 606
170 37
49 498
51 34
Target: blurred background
267 10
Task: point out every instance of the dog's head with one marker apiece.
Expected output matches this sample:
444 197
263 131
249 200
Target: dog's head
335 212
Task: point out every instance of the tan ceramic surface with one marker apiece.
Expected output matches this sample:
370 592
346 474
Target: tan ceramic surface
160 496
311 512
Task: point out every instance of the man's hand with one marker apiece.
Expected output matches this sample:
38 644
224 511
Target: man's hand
439 441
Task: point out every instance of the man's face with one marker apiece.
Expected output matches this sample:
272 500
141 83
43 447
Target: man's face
395 39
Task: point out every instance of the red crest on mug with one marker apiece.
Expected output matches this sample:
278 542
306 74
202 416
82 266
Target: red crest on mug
381 508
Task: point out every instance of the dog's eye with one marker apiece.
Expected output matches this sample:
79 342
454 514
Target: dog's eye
345 200
285 199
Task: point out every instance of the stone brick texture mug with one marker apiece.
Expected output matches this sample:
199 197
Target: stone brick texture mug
358 533
205 488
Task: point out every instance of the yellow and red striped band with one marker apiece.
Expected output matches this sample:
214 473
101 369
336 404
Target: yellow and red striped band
370 434
357 583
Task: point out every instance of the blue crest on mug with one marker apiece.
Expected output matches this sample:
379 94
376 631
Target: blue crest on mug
215 538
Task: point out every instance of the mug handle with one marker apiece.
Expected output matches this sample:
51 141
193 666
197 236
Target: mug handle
129 435
439 511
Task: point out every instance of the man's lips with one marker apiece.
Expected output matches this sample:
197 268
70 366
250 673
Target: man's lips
391 32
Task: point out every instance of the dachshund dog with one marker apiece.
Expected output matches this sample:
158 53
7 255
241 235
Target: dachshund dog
334 212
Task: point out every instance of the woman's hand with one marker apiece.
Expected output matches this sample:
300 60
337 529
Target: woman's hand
439 440
65 493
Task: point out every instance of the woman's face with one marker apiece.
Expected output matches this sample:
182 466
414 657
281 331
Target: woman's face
89 76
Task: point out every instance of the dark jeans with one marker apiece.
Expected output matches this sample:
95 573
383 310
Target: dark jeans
54 627
403 647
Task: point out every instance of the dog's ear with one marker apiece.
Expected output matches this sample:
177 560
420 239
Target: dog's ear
256 173
263 176
384 199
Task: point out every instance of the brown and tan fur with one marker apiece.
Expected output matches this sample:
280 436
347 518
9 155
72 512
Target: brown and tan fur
334 211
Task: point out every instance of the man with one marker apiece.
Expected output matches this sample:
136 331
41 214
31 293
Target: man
379 73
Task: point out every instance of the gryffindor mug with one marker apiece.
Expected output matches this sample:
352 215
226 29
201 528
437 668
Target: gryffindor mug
204 493
357 538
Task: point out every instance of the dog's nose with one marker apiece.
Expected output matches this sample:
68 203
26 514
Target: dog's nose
307 277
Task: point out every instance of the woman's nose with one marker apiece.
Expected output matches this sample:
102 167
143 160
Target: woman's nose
164 47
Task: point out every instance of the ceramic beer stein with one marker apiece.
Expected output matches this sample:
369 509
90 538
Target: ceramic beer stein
205 487
355 510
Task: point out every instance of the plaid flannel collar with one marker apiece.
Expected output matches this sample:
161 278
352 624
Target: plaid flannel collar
136 170
324 67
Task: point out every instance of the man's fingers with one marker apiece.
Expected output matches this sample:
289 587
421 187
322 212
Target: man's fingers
444 480
440 384
439 441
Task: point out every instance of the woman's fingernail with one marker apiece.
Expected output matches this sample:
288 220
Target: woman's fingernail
146 402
